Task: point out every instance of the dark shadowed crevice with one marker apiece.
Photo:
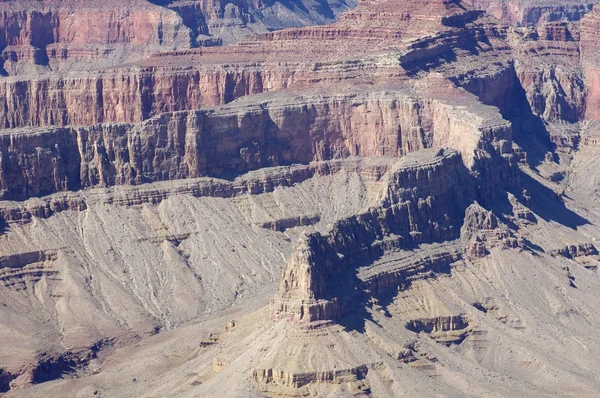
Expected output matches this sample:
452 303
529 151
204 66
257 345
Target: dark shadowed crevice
5 379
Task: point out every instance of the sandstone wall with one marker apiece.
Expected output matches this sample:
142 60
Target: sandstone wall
128 96
242 136
590 57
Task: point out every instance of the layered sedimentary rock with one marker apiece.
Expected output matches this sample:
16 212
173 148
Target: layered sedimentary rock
251 183
51 33
482 232
247 135
590 50
550 91
365 168
414 209
175 82
37 35
191 79
524 12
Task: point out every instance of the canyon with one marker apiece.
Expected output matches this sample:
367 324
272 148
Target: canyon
300 198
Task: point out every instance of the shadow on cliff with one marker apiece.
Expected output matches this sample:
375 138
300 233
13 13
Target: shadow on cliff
4 227
508 95
192 17
417 61
162 3
414 68
357 302
3 71
543 202
354 301
547 204
529 130
321 7
362 240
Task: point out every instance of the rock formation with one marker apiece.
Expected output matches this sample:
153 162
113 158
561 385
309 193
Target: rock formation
57 35
406 217
589 55
299 198
243 136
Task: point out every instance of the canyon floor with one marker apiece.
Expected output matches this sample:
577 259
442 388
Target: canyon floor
302 198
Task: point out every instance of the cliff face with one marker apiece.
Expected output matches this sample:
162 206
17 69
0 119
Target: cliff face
319 285
590 56
156 144
191 79
524 12
127 96
550 93
148 191
51 34
37 36
246 135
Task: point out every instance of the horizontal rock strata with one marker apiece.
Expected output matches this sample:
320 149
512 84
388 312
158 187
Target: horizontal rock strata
414 210
245 136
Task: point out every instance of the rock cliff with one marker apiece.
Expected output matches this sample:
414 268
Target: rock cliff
37 36
534 12
247 135
413 210
203 198
589 55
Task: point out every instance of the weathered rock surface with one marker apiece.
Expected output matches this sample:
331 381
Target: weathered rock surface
247 135
57 35
212 76
402 202
589 55
407 217
534 12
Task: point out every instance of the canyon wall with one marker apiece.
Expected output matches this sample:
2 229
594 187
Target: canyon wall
424 202
242 136
54 35
186 79
50 33
127 95
590 57
524 12
549 94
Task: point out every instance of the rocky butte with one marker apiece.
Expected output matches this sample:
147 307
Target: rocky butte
299 198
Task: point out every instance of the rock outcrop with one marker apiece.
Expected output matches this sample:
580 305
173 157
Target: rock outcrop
590 50
534 12
392 172
414 210
36 36
248 135
482 231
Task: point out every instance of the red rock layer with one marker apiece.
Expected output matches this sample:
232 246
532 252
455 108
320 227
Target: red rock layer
590 56
245 136
197 78
51 33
